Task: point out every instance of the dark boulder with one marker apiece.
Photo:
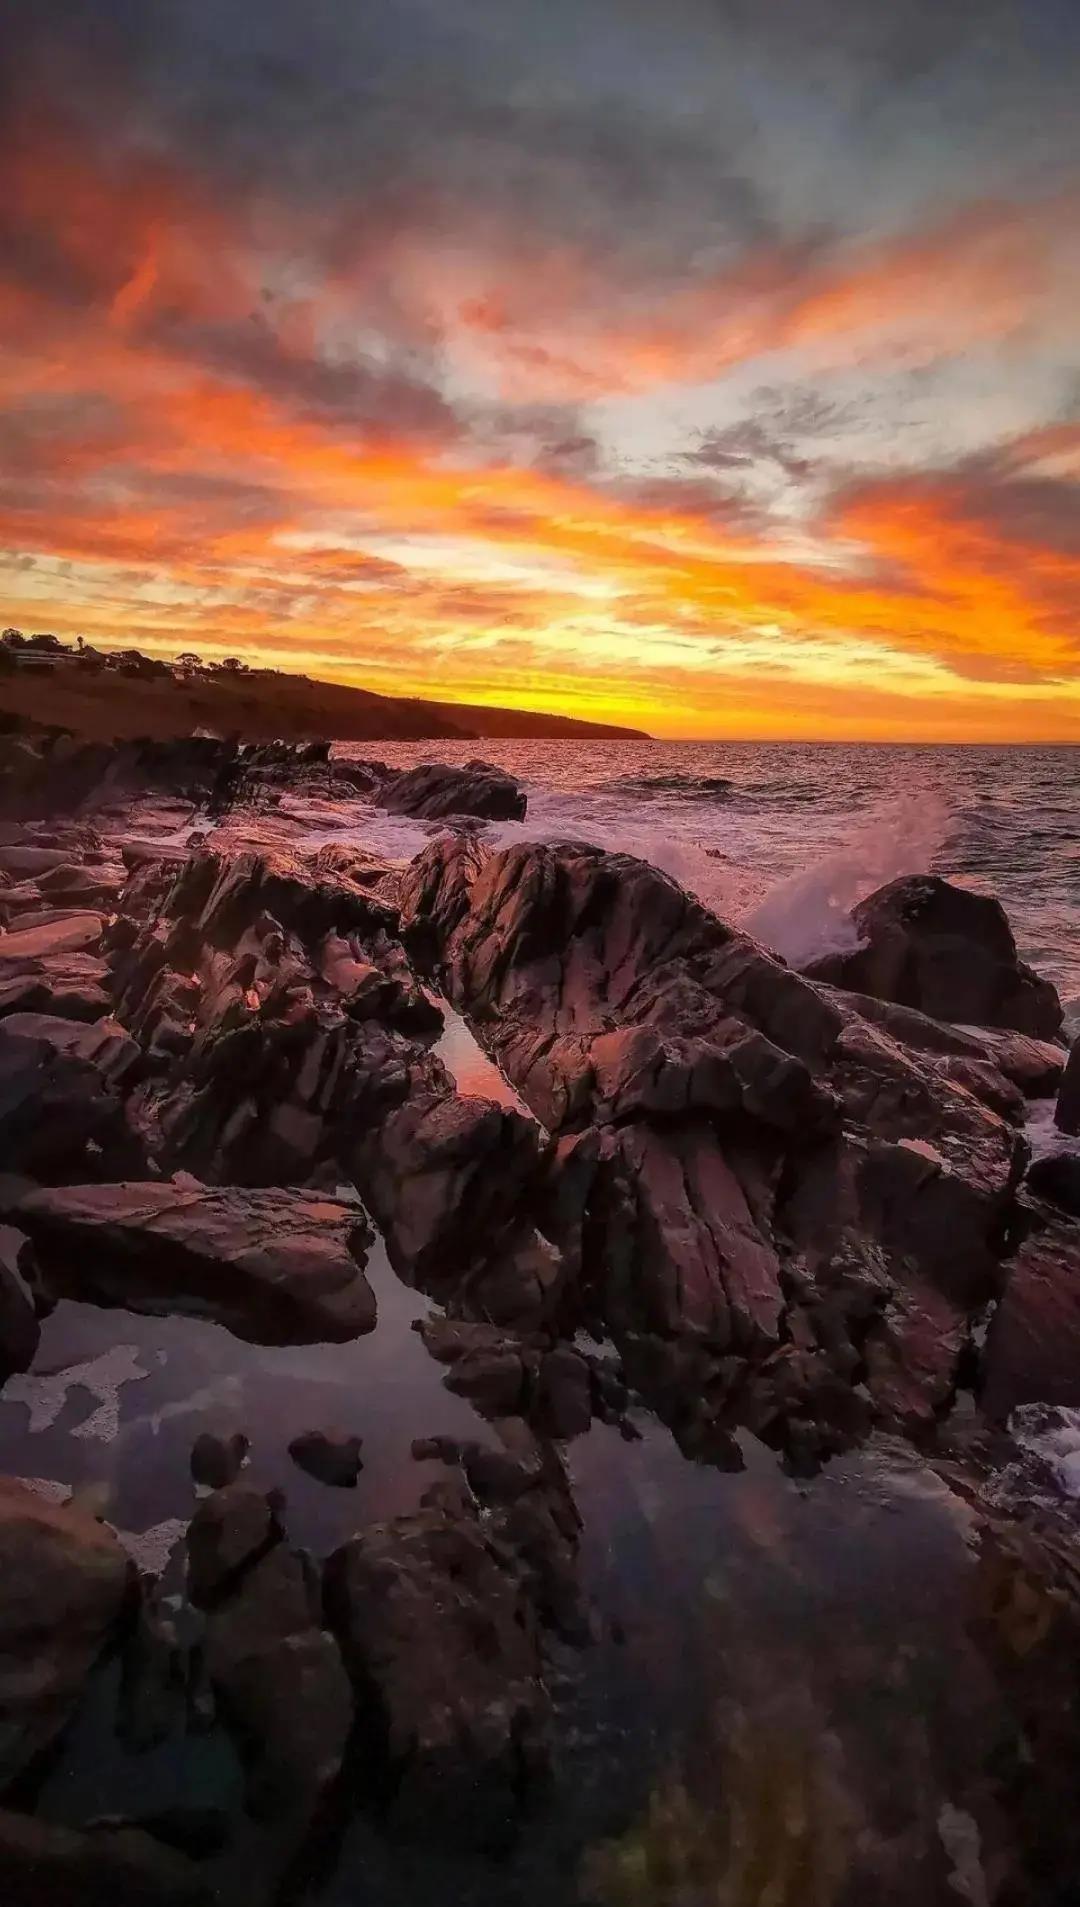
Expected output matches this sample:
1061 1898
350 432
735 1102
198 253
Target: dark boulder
63 1087
46 1865
1067 1111
217 1461
435 1620
1056 1176
435 790
19 1328
227 1535
278 1675
65 1588
330 1456
947 952
276 1266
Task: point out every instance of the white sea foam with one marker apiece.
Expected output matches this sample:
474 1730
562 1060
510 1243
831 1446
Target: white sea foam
1043 1136
1051 1433
808 915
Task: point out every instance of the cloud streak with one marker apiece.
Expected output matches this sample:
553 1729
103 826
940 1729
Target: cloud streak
404 351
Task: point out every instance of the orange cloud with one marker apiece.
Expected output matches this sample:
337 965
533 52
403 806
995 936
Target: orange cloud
202 505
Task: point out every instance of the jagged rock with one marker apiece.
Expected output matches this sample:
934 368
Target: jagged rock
913 1354
276 1266
1032 1351
434 1616
19 1328
217 1461
1067 1110
222 895
435 790
947 952
330 1456
65 1585
62 1096
744 1158
46 1865
446 1174
1056 1177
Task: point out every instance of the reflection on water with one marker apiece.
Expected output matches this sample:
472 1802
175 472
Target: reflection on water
117 1397
786 1704
469 1066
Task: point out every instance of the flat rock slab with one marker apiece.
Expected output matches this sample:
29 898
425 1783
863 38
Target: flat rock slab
69 933
71 986
275 1266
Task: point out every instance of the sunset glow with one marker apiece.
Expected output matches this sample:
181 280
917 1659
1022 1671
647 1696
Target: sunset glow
429 364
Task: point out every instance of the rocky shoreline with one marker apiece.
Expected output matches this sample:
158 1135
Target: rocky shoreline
731 1199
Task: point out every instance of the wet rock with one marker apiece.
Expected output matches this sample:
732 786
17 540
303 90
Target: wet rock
1067 1111
216 1461
330 1456
1032 1351
227 1533
45 1865
1034 1065
435 1619
19 1328
435 790
65 1587
276 1266
1056 1177
946 952
277 1673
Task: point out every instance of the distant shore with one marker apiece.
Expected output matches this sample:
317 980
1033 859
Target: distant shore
114 696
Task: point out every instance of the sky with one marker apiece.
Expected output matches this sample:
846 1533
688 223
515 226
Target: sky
711 366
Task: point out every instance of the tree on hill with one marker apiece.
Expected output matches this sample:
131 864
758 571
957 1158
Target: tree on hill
188 661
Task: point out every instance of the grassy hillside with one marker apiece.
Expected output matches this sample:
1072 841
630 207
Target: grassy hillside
258 706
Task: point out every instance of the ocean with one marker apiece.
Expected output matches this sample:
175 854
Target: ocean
782 838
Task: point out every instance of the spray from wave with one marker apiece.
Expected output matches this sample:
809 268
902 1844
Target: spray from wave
801 917
809 914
